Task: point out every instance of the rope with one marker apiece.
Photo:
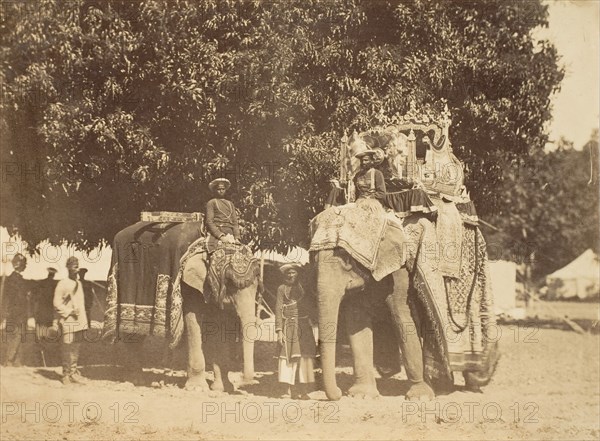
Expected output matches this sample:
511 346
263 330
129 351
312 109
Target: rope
461 328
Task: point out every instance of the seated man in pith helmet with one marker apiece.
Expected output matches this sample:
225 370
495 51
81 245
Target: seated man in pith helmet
221 216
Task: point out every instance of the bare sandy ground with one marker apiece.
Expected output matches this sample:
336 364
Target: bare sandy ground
546 387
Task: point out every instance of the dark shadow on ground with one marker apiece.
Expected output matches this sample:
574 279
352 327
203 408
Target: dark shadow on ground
49 374
266 386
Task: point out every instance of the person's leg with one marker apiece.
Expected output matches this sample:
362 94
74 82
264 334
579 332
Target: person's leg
67 341
306 377
287 373
12 337
76 376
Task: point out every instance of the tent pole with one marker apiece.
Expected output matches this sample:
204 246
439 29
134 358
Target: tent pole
574 326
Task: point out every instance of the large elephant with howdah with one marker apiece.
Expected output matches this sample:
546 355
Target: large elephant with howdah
441 324
160 284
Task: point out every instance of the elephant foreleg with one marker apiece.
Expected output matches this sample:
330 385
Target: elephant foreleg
358 325
409 340
196 364
222 346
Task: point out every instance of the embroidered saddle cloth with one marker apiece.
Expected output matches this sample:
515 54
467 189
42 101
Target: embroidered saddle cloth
372 237
458 324
230 263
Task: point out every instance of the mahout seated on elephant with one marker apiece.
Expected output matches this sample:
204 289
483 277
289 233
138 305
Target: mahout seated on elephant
161 284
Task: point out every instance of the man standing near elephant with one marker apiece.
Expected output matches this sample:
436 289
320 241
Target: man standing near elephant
17 313
294 333
69 303
44 298
221 216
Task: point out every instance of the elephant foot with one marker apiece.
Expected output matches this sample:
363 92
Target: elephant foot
250 381
300 391
420 392
472 383
335 395
363 391
222 386
197 383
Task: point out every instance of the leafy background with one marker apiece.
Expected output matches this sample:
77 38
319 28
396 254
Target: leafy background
114 107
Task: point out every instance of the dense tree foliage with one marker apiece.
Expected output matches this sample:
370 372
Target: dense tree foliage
110 108
550 207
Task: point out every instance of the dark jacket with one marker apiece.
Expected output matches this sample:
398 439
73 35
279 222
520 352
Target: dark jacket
17 300
221 219
88 296
44 298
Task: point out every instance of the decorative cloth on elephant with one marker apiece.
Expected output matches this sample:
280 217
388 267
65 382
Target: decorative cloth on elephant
373 238
457 317
449 231
467 212
407 202
144 292
233 263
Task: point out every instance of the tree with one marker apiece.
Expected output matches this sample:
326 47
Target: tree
138 104
550 213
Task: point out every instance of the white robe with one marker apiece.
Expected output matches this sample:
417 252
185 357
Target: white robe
66 300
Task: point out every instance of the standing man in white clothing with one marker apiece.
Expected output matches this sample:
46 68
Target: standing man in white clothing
69 303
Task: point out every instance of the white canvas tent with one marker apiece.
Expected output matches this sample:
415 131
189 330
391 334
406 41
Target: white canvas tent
503 276
580 278
97 262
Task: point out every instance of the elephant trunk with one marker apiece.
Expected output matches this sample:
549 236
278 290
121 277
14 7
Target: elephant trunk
329 298
248 347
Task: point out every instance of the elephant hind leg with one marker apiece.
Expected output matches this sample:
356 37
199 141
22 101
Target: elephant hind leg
221 383
223 351
409 339
222 348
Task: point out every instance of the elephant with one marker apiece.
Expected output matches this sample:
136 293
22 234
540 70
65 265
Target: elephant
339 275
160 284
